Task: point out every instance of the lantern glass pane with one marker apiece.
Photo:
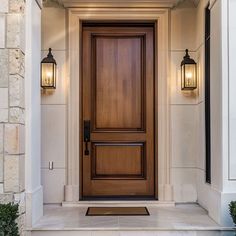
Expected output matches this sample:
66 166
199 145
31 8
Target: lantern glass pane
54 75
48 74
182 76
190 76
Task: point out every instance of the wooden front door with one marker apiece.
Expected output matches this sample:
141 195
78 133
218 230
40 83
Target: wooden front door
118 111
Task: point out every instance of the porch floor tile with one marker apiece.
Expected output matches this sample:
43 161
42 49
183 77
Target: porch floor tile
180 217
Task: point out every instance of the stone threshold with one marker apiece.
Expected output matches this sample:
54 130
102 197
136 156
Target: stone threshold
132 203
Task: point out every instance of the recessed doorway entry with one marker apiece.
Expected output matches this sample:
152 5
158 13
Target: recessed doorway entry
117 118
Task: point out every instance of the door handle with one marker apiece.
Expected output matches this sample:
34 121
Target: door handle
86 136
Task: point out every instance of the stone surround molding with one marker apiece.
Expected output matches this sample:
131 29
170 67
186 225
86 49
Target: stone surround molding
161 16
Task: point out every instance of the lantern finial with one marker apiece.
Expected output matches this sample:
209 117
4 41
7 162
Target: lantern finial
50 52
186 55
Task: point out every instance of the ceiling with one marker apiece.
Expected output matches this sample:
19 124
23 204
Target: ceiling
121 3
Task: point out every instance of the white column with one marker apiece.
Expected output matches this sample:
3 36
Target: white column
223 110
228 108
34 196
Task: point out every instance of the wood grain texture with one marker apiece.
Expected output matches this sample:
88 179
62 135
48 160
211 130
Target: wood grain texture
118 82
118 160
118 98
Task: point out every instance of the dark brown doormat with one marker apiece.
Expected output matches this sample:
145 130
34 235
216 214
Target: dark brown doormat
117 211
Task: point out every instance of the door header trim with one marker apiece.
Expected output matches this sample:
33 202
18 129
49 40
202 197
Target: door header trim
120 3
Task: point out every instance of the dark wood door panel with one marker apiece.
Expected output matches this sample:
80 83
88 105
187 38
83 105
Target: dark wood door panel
118 160
116 188
118 99
119 82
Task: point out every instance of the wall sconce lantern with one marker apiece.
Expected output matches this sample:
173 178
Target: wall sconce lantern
48 71
188 73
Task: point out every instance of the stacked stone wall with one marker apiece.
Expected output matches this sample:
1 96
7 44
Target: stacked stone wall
12 108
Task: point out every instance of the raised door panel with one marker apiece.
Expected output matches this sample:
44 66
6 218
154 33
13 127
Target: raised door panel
118 161
118 82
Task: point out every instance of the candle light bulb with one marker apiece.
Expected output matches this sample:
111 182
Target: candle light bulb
189 75
49 77
49 74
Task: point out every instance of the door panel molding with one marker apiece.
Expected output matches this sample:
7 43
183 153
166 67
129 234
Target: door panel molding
132 123
162 124
103 172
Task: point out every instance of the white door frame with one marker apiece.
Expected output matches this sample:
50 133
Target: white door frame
162 107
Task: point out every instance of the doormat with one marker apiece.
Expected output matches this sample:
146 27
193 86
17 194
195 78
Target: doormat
117 211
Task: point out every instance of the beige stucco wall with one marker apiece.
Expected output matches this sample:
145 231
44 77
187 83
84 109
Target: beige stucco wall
53 105
184 106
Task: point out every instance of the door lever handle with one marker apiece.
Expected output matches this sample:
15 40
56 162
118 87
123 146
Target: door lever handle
86 151
86 136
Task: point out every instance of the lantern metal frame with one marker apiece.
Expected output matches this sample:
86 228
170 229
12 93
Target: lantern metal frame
49 60
188 61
